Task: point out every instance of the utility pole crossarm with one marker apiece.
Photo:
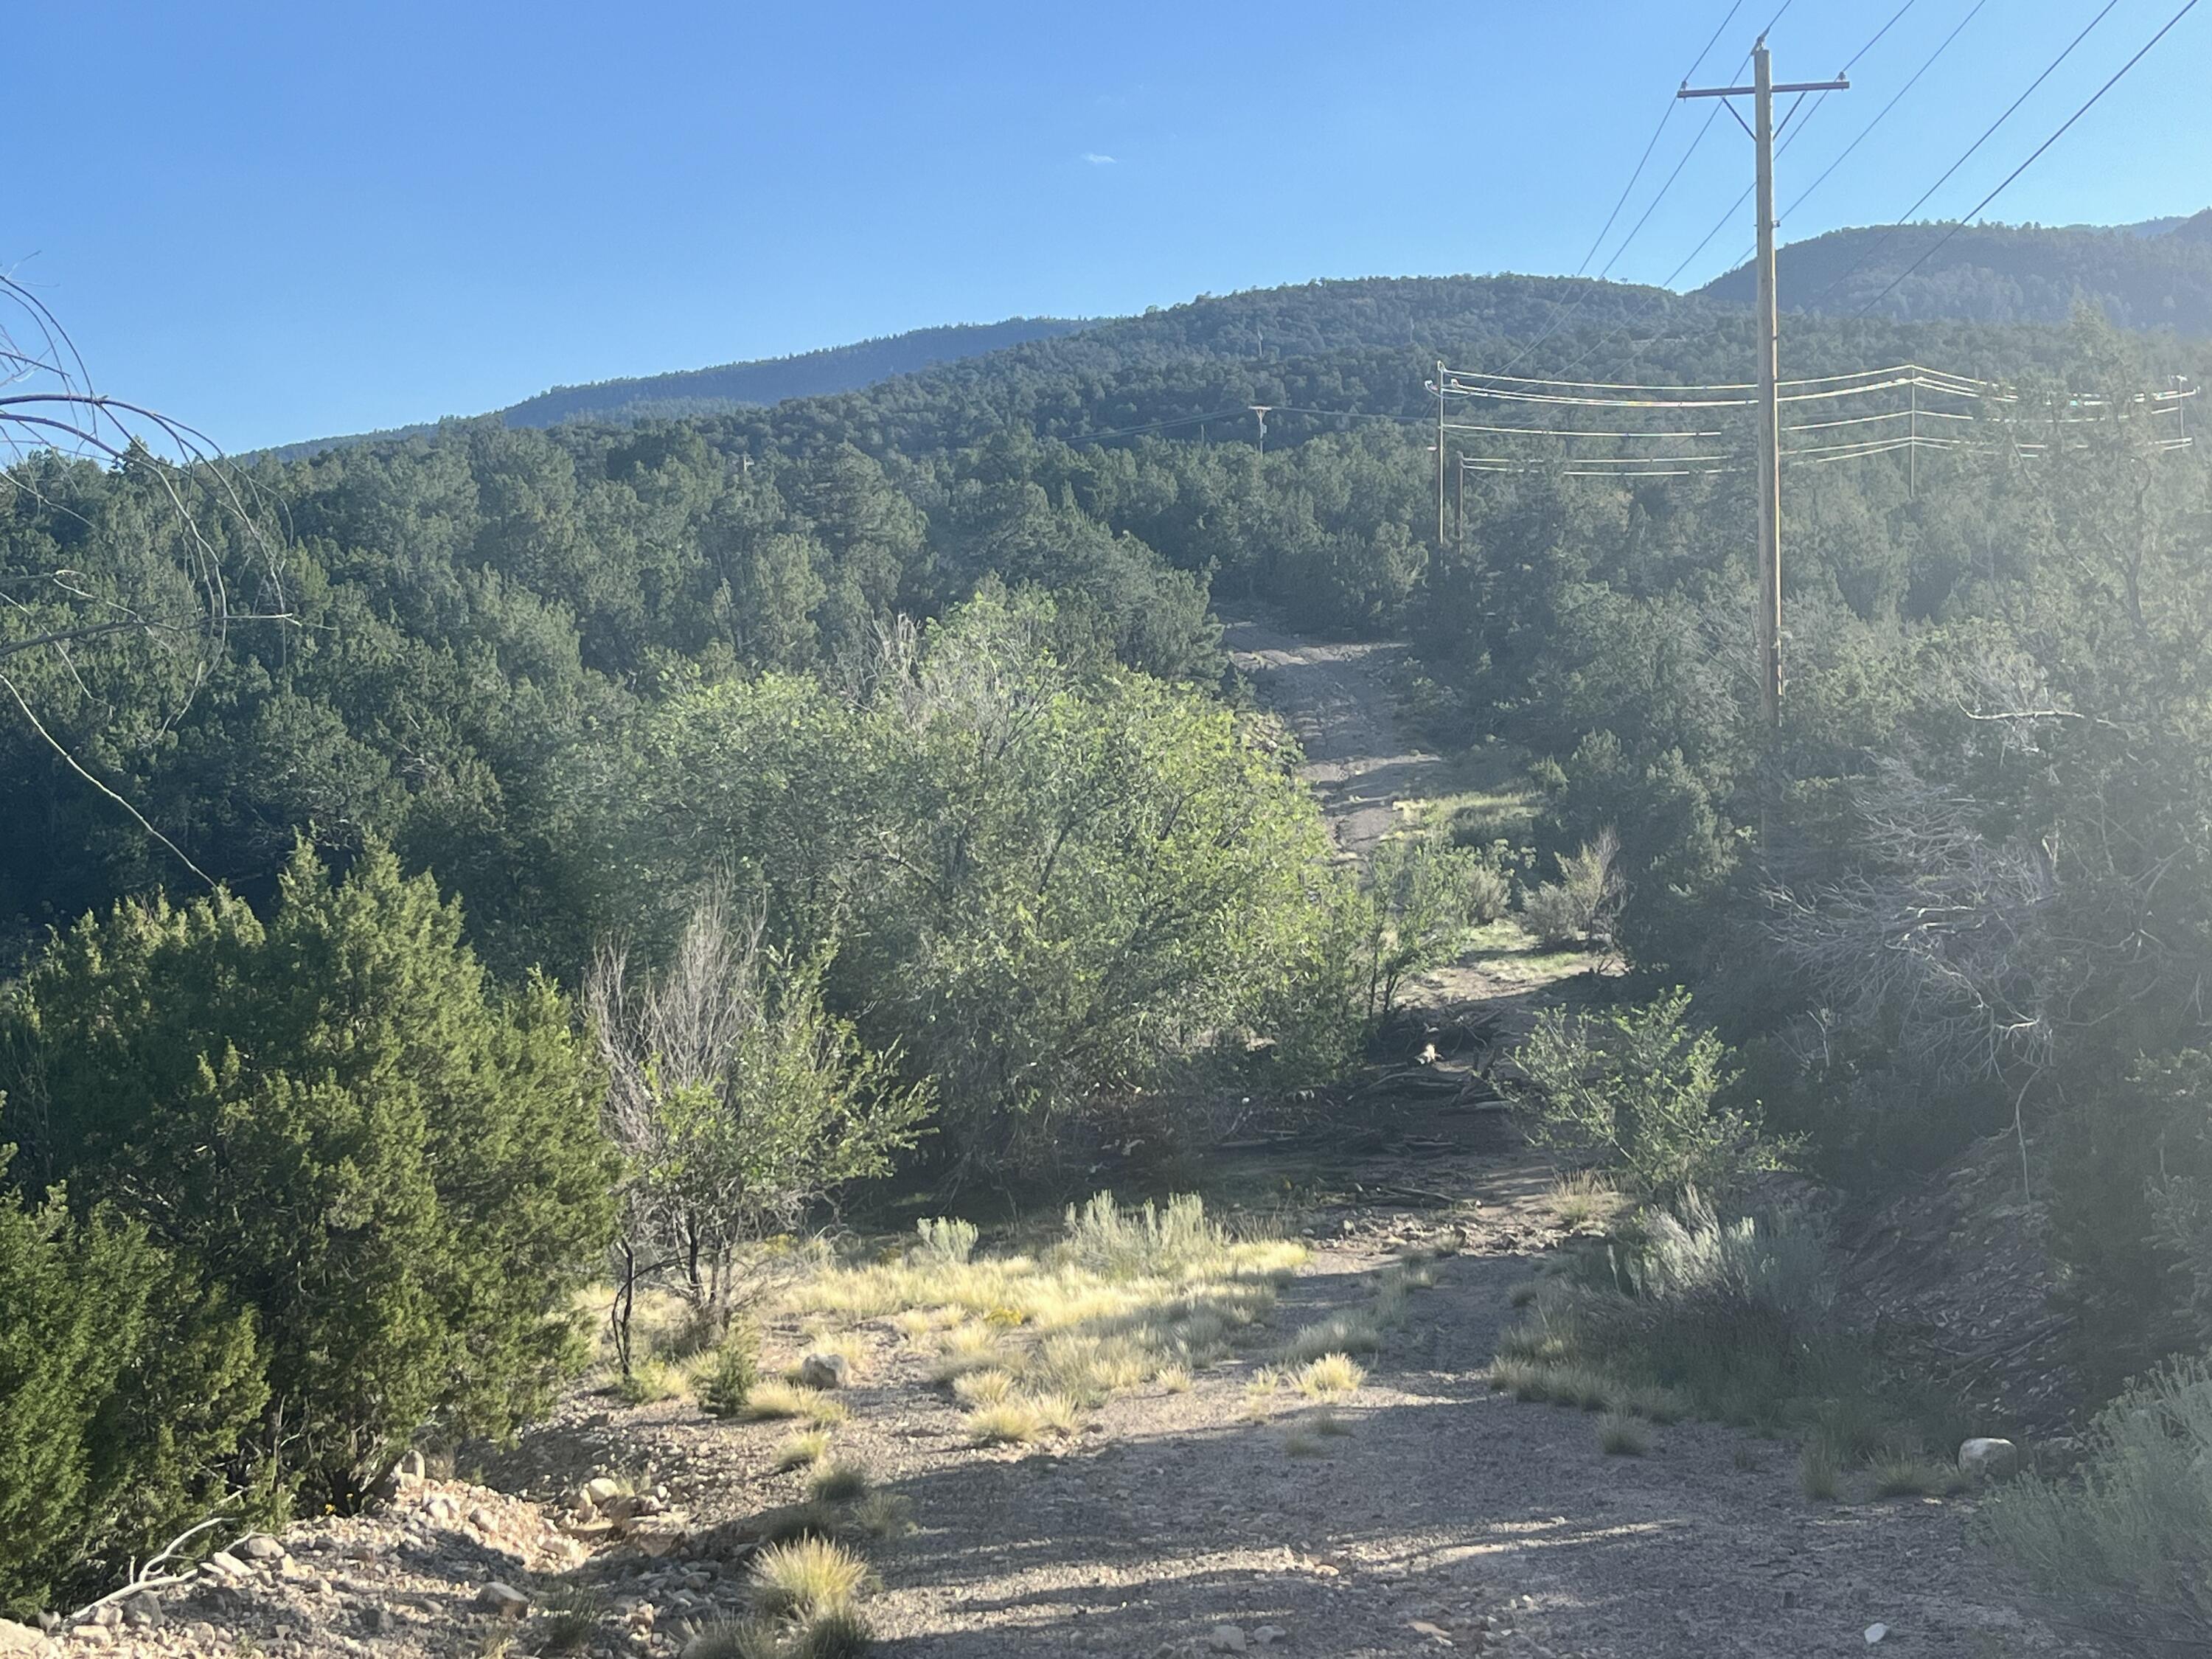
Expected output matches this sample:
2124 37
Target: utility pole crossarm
1839 84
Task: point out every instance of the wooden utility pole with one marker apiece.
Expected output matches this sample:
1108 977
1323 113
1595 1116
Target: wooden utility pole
1440 454
1769 451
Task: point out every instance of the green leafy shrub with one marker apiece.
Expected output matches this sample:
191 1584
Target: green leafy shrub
1640 1089
124 1386
2125 1549
738 1100
332 1118
1420 898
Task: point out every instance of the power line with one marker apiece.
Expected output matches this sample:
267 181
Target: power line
1736 206
1560 317
1598 240
1928 64
2189 6
1988 132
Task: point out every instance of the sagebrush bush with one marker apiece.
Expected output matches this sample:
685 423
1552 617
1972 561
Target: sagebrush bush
1584 903
945 1239
1725 1317
331 1116
125 1387
2125 1549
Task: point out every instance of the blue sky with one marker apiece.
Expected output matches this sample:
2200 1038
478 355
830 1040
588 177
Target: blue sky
284 220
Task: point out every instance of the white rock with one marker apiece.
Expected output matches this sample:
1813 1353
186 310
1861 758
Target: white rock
502 1599
258 1547
601 1490
1981 1459
1875 1633
823 1371
1226 1639
19 1638
1268 1635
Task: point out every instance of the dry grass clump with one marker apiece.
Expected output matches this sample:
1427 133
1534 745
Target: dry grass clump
770 1402
1536 1381
1584 1199
1619 1435
1905 1474
884 1515
1303 1443
1330 1375
1126 1297
984 1388
1821 1469
1343 1332
1328 1423
839 1480
1022 1418
800 1449
648 1382
1175 1379
806 1577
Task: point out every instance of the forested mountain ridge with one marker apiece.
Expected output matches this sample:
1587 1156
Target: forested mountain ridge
2157 274
723 387
2141 279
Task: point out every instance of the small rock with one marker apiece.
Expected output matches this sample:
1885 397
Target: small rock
143 1610
92 1636
502 1599
1267 1635
601 1491
258 1547
1434 1631
19 1638
1982 1461
823 1371
1875 1633
1226 1639
483 1519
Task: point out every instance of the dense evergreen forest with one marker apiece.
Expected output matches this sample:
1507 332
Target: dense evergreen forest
923 683
2139 276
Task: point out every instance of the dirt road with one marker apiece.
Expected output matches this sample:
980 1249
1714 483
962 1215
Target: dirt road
1336 698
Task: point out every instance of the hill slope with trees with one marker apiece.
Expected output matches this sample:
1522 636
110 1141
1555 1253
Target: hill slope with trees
1998 274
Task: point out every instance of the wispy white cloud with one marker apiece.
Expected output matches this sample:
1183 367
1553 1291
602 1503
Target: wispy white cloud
1096 159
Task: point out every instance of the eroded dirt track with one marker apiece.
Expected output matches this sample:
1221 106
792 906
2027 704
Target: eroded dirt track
1335 697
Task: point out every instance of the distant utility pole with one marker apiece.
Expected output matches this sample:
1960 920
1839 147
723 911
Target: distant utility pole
1440 454
1769 465
1260 410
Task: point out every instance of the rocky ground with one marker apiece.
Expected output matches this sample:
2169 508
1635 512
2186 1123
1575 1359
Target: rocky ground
1178 1523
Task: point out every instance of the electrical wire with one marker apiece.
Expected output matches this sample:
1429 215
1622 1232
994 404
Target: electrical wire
1928 63
1988 132
2189 6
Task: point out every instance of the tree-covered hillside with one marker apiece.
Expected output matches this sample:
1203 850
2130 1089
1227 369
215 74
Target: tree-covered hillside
808 374
1998 274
